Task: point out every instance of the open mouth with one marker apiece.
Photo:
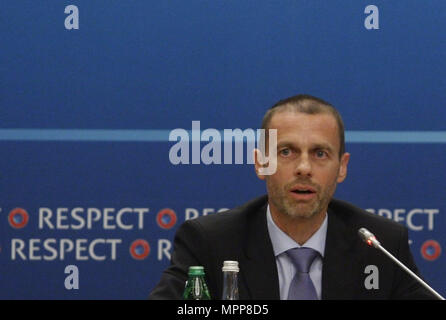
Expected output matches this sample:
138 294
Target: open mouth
303 192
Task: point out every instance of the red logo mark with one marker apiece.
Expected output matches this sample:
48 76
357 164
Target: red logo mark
139 249
166 218
430 250
18 218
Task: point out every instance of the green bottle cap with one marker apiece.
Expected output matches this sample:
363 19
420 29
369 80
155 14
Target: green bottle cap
196 271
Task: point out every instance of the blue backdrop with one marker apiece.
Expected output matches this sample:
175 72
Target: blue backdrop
88 98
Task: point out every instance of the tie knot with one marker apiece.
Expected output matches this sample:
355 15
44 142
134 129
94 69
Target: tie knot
302 258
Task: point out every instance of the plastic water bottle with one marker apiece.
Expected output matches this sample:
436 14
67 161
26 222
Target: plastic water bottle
230 280
196 288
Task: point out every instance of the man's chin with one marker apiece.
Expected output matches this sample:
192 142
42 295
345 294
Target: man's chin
300 215
301 212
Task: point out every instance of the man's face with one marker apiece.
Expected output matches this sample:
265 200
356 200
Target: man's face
308 163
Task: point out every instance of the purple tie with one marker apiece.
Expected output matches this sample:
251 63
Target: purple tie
302 288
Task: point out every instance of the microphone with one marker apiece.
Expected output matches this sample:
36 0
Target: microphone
368 238
371 240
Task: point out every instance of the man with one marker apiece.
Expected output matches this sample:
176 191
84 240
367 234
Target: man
297 226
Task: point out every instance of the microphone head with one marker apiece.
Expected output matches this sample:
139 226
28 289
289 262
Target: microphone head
368 237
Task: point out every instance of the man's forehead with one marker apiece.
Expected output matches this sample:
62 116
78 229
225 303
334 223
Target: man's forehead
319 129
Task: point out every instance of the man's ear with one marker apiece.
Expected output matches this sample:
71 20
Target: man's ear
343 167
258 155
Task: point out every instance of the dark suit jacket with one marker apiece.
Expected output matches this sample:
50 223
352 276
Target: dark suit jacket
241 234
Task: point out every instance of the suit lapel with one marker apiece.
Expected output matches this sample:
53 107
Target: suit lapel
258 266
340 278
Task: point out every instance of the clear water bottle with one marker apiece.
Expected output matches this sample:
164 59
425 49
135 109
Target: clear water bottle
196 288
230 280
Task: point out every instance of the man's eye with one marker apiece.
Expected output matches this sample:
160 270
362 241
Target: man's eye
321 154
285 152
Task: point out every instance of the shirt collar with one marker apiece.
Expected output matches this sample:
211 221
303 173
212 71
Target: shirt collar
282 242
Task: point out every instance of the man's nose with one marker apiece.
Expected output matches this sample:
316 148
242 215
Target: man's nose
303 166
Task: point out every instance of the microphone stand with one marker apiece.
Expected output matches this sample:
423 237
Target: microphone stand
371 240
387 253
